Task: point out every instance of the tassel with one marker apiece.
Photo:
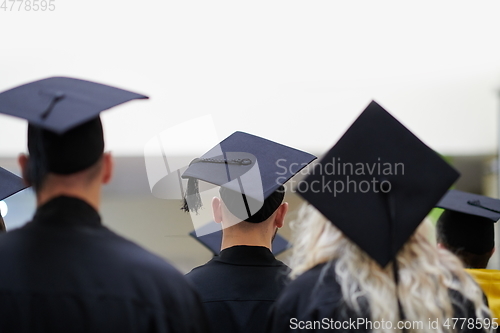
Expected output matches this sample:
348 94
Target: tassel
37 168
192 200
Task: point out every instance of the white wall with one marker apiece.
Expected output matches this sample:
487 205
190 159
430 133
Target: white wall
292 71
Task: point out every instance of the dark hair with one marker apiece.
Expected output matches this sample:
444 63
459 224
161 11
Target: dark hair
36 170
2 225
67 153
232 200
469 237
471 260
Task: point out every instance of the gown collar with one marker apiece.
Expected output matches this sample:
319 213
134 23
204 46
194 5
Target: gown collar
67 211
247 255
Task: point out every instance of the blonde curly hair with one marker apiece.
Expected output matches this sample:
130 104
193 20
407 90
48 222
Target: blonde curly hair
426 273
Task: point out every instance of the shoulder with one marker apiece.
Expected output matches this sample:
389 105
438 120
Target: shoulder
310 289
201 272
281 264
215 266
101 259
312 296
311 278
154 271
17 239
134 255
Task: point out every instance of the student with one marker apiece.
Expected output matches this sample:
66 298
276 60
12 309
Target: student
239 285
64 271
358 264
466 228
10 184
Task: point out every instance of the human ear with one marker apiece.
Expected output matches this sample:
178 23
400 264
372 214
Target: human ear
23 161
107 172
217 209
279 221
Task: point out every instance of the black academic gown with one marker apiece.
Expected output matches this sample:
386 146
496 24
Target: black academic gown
307 302
64 272
238 287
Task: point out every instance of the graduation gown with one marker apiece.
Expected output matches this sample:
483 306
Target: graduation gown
238 287
305 303
65 272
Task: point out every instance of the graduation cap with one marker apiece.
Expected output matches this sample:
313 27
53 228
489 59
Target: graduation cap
467 222
377 184
250 170
65 131
471 204
213 241
10 184
383 181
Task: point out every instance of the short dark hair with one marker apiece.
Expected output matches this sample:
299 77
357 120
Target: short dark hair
73 151
469 237
471 260
271 203
2 225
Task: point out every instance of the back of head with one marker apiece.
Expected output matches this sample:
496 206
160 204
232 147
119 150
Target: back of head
470 237
63 154
232 200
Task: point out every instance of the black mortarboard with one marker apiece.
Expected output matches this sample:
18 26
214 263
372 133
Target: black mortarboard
213 240
249 170
378 183
472 204
59 104
10 184
467 222
65 131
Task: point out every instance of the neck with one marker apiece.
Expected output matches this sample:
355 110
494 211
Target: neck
252 236
91 194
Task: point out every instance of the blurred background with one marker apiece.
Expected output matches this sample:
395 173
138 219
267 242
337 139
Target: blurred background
294 72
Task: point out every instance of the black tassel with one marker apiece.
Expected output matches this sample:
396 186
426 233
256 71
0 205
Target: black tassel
38 165
192 200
